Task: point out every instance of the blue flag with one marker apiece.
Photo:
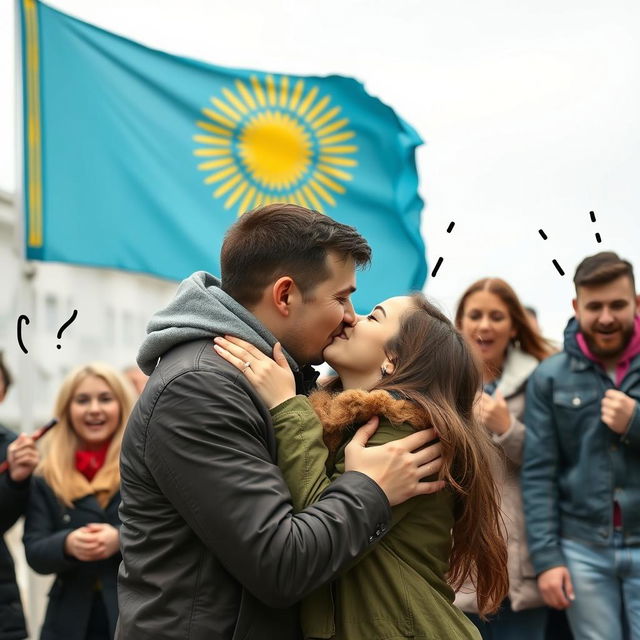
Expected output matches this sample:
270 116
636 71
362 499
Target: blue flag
140 160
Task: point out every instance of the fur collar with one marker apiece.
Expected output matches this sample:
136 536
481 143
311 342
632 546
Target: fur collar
339 412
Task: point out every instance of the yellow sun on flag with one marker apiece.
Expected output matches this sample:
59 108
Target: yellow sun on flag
268 142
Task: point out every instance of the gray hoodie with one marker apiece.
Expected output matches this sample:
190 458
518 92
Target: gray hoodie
201 309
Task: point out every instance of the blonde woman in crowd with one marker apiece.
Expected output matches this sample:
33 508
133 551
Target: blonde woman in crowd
494 323
72 524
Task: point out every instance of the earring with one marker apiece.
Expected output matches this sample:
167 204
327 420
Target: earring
383 371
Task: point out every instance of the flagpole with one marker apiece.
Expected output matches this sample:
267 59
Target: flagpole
26 378
27 270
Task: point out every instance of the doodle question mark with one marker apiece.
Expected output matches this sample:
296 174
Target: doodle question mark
74 315
24 319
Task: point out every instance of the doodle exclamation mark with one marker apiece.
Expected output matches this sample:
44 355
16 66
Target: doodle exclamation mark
441 259
559 269
592 215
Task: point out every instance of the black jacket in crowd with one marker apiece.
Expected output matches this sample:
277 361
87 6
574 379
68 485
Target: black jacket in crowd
48 522
211 547
13 501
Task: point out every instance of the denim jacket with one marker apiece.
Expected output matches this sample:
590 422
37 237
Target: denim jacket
574 465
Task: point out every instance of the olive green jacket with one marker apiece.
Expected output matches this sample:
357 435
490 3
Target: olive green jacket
398 588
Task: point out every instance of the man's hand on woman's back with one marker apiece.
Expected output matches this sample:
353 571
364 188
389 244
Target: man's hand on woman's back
399 466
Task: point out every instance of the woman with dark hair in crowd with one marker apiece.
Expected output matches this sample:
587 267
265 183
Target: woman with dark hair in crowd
72 524
495 325
407 363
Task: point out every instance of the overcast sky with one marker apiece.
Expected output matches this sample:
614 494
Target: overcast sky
529 111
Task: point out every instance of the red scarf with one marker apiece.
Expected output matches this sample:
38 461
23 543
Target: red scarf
88 463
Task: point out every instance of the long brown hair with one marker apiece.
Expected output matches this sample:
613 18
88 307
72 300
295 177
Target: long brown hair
61 444
531 341
434 368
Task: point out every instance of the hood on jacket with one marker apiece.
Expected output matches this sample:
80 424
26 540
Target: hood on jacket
624 361
201 309
517 368
571 345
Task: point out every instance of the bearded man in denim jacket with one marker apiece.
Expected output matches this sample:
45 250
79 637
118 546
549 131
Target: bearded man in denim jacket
581 472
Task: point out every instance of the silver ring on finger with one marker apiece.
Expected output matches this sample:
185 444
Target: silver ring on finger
246 365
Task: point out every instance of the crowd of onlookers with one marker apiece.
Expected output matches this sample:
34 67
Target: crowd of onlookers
565 419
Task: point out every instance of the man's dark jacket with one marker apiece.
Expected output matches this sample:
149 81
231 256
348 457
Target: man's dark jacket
211 547
13 501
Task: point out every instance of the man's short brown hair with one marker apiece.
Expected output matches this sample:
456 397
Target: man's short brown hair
602 268
284 239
